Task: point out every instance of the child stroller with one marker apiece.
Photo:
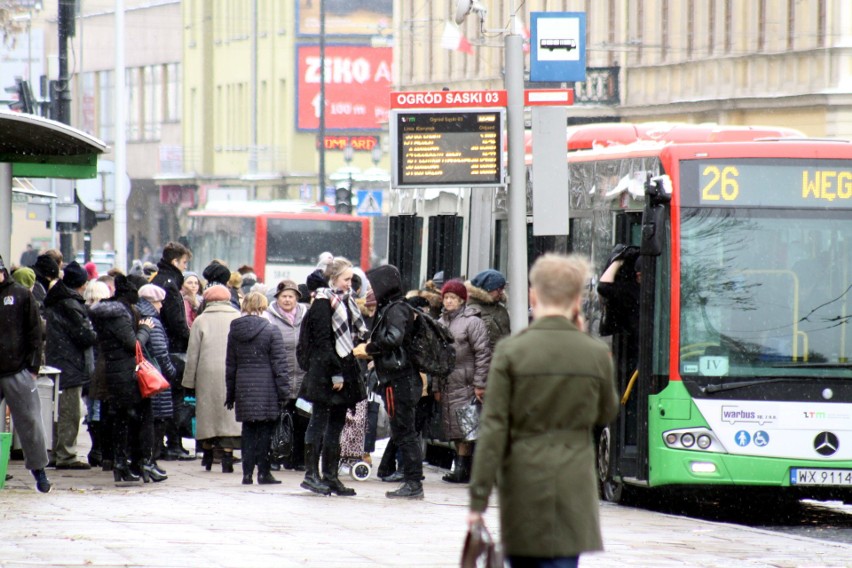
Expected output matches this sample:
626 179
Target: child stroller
352 444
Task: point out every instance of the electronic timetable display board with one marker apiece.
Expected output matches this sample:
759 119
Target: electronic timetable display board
767 182
448 147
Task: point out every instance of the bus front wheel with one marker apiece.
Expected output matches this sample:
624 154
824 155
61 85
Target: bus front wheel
611 490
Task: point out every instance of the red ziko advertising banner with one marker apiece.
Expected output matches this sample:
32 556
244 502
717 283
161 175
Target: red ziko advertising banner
357 86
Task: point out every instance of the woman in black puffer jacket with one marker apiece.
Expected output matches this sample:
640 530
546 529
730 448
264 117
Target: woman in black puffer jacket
118 326
330 330
257 382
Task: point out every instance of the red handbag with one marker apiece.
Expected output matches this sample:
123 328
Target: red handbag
151 380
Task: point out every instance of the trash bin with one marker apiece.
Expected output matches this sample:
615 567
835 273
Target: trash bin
47 383
5 450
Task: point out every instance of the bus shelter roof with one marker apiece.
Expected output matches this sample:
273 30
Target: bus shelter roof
38 147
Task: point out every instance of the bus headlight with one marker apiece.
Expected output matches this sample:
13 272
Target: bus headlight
699 438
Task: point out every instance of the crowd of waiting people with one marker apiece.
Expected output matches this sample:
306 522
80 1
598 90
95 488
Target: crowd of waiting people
231 344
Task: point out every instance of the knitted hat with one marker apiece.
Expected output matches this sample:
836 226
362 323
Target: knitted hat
217 293
75 275
288 285
91 270
456 287
316 281
489 280
46 267
217 273
438 278
23 276
125 289
152 293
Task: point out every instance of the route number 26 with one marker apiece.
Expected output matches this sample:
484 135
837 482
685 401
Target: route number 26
722 183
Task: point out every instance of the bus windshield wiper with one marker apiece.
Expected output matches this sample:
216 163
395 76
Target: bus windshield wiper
714 388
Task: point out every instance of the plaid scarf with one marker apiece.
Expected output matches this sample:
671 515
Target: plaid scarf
344 335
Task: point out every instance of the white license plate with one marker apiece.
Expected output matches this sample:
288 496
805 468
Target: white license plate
809 476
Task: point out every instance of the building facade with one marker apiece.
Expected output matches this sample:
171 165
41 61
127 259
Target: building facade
778 62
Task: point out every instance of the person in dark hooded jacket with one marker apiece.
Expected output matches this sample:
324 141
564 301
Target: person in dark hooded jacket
117 324
20 355
257 384
387 347
169 277
70 339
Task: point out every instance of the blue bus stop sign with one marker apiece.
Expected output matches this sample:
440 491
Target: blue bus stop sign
558 47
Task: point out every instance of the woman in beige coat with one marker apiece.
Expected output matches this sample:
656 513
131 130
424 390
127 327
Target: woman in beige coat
215 425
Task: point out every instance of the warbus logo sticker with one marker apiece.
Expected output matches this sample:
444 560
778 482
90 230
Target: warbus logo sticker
742 438
734 414
826 443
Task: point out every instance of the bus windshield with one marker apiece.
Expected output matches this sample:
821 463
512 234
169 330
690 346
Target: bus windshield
230 239
765 292
300 241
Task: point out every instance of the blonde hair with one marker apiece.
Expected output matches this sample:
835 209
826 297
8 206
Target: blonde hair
558 279
95 292
255 303
335 268
236 280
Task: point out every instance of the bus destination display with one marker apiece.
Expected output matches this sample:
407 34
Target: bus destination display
767 183
448 148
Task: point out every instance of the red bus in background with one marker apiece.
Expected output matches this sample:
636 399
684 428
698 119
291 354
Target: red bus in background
278 244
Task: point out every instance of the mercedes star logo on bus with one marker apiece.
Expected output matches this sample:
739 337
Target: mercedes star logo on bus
826 443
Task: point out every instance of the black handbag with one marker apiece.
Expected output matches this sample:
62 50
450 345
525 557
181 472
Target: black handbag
480 549
282 437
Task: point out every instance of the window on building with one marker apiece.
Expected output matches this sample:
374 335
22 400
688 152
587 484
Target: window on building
728 25
791 24
88 96
690 28
134 103
153 85
664 31
172 105
761 26
821 23
106 107
711 27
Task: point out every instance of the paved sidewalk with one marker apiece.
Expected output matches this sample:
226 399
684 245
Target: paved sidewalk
199 518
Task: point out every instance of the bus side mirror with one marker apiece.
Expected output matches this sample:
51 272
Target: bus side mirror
653 230
657 194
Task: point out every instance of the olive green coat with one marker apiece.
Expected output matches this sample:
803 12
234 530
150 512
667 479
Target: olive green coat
547 388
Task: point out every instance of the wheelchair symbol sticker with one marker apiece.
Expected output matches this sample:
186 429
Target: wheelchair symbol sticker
761 438
742 438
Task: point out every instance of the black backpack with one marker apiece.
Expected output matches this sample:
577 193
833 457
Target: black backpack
430 345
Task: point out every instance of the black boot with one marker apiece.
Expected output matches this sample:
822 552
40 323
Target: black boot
121 472
312 481
227 462
265 478
409 490
95 454
150 472
207 460
462 472
330 465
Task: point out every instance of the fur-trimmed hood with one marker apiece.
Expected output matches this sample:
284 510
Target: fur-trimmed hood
480 296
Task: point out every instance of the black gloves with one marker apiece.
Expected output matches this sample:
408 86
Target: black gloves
229 403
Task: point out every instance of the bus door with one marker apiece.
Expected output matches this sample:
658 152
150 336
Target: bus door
625 351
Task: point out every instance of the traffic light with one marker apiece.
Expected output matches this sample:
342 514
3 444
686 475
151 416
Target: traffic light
343 198
26 101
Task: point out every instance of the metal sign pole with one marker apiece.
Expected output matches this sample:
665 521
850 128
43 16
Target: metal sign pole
517 270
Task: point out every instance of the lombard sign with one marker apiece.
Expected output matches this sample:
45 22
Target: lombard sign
357 86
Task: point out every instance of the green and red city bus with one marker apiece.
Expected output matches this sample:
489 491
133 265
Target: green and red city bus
278 241
744 349
743 358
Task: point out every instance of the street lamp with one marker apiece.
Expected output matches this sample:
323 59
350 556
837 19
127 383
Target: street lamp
343 195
